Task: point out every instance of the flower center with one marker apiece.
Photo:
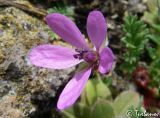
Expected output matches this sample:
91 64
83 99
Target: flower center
88 56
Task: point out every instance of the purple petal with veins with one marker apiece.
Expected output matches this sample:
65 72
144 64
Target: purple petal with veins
73 89
50 56
96 28
106 60
66 29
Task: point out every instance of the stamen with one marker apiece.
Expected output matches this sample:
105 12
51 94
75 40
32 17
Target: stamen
76 56
81 50
87 55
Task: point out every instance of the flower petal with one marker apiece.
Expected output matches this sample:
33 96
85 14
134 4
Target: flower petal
66 29
96 28
73 89
106 60
51 56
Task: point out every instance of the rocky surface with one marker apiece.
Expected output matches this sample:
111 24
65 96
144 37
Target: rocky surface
25 90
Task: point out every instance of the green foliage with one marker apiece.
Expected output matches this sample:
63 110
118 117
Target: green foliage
63 9
89 94
135 38
155 71
53 35
152 17
95 89
135 112
124 101
96 102
102 109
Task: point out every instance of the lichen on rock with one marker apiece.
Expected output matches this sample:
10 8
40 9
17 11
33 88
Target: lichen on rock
34 89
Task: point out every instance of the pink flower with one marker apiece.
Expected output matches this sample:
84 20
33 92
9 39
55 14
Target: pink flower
58 57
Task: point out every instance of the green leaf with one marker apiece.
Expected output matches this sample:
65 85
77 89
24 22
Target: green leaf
155 39
152 52
63 9
78 110
89 94
156 27
69 113
85 111
102 109
124 101
102 90
152 5
94 89
53 35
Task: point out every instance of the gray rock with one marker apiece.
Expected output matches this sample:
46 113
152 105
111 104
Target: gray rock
43 35
35 89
